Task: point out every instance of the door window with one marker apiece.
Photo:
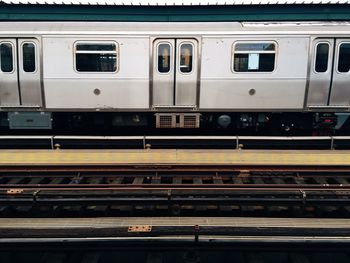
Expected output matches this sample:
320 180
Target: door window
6 57
322 53
164 57
344 57
186 57
28 57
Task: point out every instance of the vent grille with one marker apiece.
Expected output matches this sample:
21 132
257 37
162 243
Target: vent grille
177 120
190 121
166 121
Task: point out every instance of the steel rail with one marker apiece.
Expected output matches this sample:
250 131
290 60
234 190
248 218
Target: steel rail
201 187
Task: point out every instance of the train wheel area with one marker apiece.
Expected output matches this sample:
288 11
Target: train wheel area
165 123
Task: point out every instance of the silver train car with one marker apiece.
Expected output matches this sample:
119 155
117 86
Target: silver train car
228 76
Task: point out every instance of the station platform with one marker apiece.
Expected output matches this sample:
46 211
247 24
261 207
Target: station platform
239 228
175 157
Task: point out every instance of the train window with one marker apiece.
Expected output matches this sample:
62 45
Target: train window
254 57
28 57
321 63
6 57
96 57
344 57
186 56
164 58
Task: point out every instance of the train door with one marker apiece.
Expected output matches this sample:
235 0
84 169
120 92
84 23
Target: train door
340 91
20 83
330 73
175 72
9 92
321 72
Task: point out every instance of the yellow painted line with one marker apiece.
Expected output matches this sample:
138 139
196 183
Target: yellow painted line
205 157
268 158
64 157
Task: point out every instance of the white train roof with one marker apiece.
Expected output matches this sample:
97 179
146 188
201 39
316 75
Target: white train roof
161 28
173 2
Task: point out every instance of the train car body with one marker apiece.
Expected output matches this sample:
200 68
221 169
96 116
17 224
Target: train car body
226 75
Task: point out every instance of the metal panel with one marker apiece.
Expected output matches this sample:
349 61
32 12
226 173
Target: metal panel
9 93
340 93
163 83
99 30
74 93
126 89
270 94
30 120
282 89
29 80
319 85
186 79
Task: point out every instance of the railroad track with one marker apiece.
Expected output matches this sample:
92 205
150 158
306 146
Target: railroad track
174 190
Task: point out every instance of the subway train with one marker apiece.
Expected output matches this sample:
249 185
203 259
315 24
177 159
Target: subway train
214 77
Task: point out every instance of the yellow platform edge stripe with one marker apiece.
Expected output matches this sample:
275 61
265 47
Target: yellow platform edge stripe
166 157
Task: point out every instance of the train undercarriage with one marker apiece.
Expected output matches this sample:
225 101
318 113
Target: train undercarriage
169 123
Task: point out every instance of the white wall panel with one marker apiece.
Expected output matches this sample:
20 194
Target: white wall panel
66 88
79 93
291 58
234 94
284 88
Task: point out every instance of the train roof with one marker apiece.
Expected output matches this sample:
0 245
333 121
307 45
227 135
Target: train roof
178 28
175 10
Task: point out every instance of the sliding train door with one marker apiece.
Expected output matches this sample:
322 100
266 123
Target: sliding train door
175 73
9 92
329 84
321 72
20 77
340 91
